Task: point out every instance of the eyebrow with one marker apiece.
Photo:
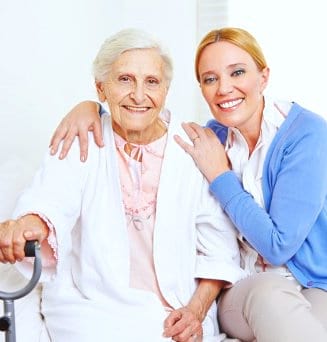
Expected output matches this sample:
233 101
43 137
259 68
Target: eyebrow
230 66
126 73
237 65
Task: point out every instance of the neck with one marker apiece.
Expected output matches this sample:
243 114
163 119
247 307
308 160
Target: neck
251 131
144 137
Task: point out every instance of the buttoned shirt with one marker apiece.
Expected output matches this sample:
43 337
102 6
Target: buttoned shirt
248 169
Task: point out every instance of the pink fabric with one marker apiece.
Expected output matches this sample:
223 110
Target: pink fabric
139 183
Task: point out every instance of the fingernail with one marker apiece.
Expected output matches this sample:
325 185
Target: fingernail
83 158
61 156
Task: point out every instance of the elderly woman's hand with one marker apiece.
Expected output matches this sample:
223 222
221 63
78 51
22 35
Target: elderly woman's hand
15 233
207 152
182 325
82 118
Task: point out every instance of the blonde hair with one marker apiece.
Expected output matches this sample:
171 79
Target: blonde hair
125 40
236 36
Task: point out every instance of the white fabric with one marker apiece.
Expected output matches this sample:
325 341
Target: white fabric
249 171
14 174
91 297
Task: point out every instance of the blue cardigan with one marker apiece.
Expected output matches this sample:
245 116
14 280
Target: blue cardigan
292 229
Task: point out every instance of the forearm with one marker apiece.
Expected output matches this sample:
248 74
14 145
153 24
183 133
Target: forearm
205 294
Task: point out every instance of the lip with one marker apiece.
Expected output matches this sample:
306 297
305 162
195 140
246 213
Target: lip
136 109
230 104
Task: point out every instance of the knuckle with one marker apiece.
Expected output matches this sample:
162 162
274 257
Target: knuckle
18 242
5 243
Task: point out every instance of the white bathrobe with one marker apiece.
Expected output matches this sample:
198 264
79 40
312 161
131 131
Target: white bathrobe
87 297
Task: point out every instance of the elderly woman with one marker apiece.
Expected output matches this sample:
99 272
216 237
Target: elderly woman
128 257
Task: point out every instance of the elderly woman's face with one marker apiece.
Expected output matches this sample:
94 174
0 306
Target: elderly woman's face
136 89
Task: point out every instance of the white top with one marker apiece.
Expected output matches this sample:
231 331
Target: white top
249 171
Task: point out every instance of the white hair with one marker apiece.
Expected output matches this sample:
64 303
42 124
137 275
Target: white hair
125 40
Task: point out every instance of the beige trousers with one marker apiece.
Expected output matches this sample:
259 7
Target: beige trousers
267 307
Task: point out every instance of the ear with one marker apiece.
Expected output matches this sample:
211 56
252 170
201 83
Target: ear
265 78
100 90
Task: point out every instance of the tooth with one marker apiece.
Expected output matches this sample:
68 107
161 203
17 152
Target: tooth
136 109
230 104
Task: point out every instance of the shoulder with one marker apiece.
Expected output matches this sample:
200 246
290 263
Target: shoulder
220 130
307 118
302 123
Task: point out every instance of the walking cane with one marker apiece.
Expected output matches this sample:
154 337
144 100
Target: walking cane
7 321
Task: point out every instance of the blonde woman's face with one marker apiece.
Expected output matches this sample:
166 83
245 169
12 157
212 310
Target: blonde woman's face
136 89
232 85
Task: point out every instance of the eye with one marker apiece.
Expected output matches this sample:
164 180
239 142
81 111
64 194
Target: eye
238 72
152 82
125 79
210 79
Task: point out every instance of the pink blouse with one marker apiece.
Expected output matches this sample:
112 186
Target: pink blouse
139 183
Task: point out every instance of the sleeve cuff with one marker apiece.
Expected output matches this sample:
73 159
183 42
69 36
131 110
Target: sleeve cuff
225 187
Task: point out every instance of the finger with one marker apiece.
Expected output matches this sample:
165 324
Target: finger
6 241
59 134
30 235
189 130
97 133
195 126
197 337
67 144
210 133
7 249
18 245
177 328
2 258
83 144
199 130
188 331
172 318
184 145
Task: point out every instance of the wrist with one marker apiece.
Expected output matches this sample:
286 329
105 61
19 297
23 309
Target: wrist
197 308
216 173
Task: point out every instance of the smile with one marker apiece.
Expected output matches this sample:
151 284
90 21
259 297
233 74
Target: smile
230 104
136 109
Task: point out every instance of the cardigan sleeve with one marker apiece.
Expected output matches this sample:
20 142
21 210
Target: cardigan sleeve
294 187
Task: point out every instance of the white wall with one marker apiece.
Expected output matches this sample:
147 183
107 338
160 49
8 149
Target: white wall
47 48
293 37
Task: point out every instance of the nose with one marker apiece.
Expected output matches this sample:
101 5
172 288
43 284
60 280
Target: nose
138 93
225 86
